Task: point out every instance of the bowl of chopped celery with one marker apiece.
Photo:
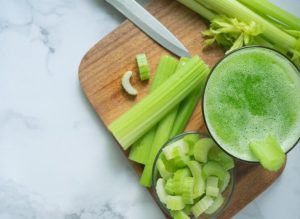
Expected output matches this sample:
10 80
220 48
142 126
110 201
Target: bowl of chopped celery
192 177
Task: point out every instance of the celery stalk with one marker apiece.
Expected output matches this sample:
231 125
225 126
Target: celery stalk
266 8
186 109
134 123
232 8
195 6
141 148
162 135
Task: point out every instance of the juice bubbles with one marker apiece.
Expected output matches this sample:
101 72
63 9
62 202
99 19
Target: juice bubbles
252 93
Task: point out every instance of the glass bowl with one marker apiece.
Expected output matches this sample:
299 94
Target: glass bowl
226 194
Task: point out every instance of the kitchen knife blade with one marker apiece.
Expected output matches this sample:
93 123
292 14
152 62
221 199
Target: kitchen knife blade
150 25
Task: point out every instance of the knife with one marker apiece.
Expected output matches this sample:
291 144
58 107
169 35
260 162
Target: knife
150 25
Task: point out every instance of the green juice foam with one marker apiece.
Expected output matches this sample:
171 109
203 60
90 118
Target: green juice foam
252 93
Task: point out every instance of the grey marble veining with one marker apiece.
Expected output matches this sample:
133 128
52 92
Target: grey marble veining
57 161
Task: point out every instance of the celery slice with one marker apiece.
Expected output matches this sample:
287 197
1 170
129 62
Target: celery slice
162 170
160 190
212 188
268 152
179 215
144 115
127 85
201 149
224 182
188 190
216 205
187 209
191 139
212 168
170 186
175 203
180 161
216 154
140 150
201 206
175 149
143 66
179 177
199 183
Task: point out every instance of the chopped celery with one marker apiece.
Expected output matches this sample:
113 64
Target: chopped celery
127 85
190 140
179 215
201 206
212 188
187 209
224 182
144 115
180 161
201 149
216 205
179 177
212 168
175 149
216 154
162 170
160 190
143 66
268 152
170 186
140 149
199 183
188 190
174 203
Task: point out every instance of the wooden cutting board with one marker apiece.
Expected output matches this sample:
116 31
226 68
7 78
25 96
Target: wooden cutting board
102 67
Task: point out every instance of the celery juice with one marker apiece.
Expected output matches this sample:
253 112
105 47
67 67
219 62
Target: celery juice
252 93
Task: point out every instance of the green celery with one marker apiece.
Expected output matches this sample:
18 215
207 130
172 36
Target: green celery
195 6
140 149
269 153
268 9
134 123
163 133
202 206
175 203
216 205
160 190
241 12
144 69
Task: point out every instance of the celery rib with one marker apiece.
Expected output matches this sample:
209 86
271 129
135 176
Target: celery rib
141 148
266 8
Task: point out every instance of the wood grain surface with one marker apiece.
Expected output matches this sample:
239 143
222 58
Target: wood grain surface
104 64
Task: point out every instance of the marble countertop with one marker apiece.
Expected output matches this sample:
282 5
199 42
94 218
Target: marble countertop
57 161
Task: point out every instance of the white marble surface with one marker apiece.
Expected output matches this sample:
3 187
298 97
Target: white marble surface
56 159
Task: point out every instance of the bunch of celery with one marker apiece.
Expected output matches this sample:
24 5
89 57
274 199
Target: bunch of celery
235 23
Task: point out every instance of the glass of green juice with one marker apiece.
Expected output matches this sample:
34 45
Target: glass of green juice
251 93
